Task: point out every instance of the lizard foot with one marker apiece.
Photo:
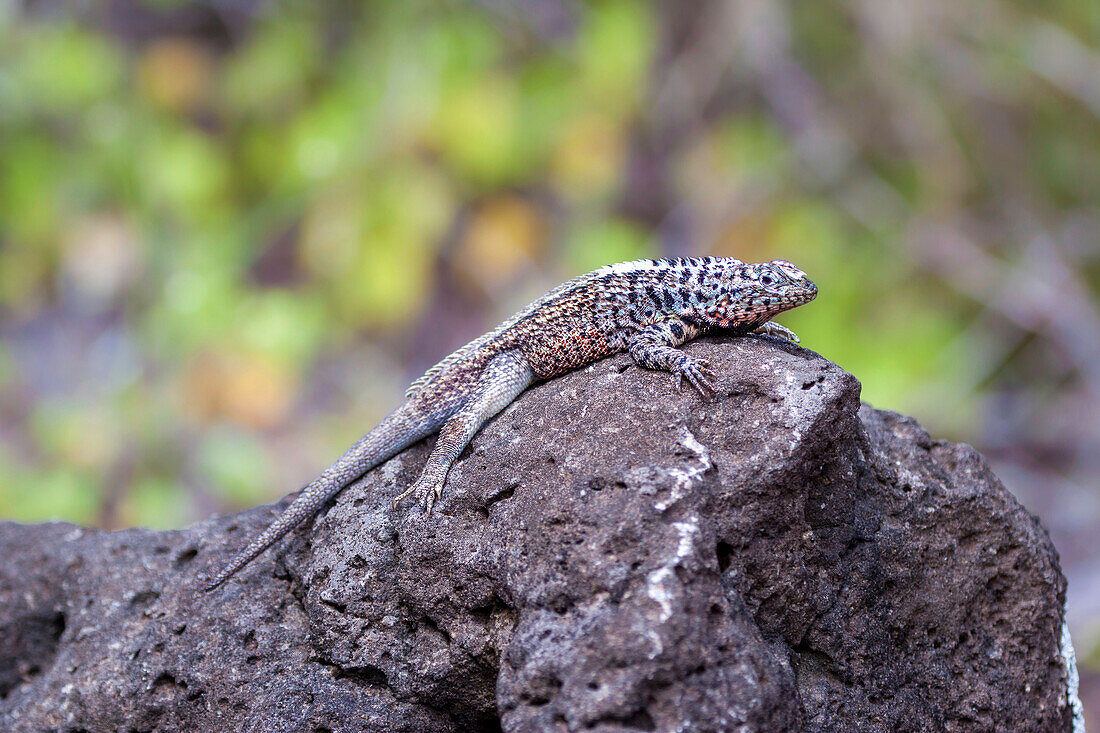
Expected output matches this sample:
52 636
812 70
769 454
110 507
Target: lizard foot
433 491
698 374
771 328
432 496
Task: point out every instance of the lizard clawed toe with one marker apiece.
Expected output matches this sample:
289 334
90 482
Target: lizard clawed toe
406 493
699 375
432 490
771 328
434 495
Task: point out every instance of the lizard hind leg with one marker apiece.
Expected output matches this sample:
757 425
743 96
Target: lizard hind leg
503 379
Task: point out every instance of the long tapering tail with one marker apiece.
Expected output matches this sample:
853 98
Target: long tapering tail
395 433
308 503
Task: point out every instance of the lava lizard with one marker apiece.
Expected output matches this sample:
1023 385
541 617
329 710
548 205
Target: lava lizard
646 307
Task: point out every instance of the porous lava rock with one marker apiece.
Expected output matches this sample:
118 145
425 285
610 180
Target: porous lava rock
610 555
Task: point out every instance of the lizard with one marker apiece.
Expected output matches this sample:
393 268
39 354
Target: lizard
645 307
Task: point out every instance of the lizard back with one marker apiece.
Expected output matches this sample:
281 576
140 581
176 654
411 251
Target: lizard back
587 318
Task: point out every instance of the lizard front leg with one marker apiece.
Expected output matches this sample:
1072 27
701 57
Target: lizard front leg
771 328
503 379
654 347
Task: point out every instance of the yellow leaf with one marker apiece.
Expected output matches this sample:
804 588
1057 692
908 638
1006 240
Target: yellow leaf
589 159
505 234
175 73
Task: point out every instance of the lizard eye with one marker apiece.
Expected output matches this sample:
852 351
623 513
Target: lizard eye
767 279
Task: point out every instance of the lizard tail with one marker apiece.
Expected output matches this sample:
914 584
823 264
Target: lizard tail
308 503
398 431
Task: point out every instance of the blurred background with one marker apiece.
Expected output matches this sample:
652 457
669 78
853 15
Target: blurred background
232 231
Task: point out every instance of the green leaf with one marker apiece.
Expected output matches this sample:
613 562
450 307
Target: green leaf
602 243
235 465
62 68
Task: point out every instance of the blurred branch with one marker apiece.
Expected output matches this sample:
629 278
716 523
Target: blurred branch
1042 294
1058 57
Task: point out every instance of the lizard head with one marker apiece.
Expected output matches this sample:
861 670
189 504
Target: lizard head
751 293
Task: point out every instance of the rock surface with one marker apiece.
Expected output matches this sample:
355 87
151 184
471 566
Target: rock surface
610 555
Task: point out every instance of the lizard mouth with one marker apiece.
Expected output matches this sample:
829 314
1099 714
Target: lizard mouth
763 307
794 295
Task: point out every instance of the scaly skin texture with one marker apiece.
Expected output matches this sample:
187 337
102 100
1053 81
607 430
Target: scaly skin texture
646 307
